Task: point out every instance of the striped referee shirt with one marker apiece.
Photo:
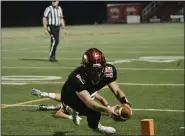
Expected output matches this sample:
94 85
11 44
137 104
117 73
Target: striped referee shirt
53 15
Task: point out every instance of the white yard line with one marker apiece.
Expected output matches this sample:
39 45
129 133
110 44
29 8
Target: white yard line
142 84
19 105
13 58
150 69
116 60
132 69
59 82
117 51
7 67
163 110
107 47
134 109
182 127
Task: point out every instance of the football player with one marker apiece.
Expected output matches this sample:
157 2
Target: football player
63 112
91 76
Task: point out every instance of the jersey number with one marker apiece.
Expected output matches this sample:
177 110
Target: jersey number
109 72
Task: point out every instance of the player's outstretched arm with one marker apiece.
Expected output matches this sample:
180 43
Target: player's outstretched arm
101 99
86 98
120 95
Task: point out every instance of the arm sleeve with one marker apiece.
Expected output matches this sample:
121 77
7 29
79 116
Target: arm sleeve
46 12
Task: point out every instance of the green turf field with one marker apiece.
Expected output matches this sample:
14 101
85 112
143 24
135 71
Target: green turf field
150 80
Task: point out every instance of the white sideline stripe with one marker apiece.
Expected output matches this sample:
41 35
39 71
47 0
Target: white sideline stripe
134 109
134 69
182 127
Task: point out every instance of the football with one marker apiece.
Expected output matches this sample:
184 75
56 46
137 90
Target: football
123 111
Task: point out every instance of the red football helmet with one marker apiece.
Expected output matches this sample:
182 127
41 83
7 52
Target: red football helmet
94 62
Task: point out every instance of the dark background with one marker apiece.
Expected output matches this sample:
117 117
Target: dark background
29 13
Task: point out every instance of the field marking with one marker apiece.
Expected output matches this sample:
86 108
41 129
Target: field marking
29 78
32 101
167 110
146 46
134 109
132 69
102 43
67 51
128 52
127 84
26 102
158 59
142 84
182 127
64 47
13 58
115 59
19 105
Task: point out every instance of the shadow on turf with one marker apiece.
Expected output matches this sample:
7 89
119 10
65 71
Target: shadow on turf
61 133
37 110
45 60
52 112
33 110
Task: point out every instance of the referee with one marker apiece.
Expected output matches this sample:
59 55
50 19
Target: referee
52 20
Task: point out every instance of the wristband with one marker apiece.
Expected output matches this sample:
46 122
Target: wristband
124 100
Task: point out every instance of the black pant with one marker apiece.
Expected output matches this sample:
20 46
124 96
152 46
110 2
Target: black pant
93 117
54 33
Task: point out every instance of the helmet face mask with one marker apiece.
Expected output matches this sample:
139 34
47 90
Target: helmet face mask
96 73
94 62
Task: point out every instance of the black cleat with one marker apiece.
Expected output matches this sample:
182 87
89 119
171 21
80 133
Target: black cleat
52 59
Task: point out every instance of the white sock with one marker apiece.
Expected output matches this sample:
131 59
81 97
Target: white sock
51 107
52 95
70 117
44 94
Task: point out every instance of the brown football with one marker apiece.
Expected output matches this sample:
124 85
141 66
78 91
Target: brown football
123 111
